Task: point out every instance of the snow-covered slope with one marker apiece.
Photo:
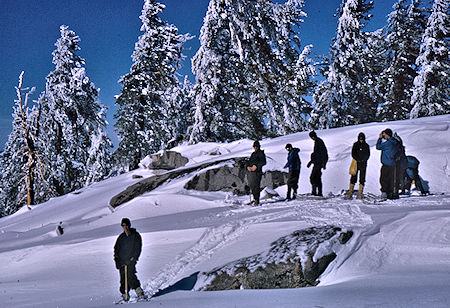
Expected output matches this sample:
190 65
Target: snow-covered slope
398 256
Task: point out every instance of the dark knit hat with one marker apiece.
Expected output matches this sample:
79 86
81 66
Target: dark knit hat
362 136
126 221
388 132
256 144
313 134
288 146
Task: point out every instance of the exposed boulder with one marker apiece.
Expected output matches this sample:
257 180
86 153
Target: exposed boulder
233 178
293 261
150 183
167 160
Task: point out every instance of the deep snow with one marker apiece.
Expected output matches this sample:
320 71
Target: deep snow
399 255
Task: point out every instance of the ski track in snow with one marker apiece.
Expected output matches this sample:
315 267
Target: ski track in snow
315 212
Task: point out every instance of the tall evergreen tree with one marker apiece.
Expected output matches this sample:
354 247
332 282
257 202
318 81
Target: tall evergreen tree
72 120
403 34
431 92
21 164
248 80
150 96
347 96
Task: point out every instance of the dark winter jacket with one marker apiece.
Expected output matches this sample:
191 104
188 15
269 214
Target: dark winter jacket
360 151
258 159
400 157
293 160
413 163
319 156
127 248
388 149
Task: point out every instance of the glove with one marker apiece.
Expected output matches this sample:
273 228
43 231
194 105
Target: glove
117 265
309 164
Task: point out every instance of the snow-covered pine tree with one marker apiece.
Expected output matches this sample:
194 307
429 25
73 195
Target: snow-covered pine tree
250 77
72 120
431 92
219 95
348 95
147 105
21 164
402 37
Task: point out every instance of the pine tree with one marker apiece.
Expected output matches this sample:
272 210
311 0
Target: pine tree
72 120
347 96
150 96
21 166
431 93
250 77
402 42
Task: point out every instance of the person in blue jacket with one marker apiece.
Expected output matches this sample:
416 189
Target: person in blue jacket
389 148
294 164
412 174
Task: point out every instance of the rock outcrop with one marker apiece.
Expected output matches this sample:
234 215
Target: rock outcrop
167 160
223 178
293 261
233 178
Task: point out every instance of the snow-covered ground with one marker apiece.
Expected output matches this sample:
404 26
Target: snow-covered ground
399 255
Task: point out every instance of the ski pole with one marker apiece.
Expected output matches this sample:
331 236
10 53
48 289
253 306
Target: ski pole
126 280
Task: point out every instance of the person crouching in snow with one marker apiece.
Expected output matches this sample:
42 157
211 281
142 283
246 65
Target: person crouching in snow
254 167
360 153
126 253
294 164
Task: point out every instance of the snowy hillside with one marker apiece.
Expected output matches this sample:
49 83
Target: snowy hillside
397 257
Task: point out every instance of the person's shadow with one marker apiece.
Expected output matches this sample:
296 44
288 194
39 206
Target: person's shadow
184 284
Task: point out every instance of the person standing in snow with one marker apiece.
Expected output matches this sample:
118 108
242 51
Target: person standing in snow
254 167
126 253
388 147
294 164
360 153
319 158
401 163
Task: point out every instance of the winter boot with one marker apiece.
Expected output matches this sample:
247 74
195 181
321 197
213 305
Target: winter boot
125 297
319 190
314 190
288 194
384 195
140 293
294 195
350 191
360 191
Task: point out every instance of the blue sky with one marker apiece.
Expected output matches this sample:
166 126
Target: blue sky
108 30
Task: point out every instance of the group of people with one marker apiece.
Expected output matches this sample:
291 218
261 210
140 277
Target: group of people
398 171
319 159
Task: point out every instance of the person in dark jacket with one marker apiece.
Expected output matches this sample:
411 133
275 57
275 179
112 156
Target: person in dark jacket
319 158
412 174
389 147
401 163
360 153
126 253
254 167
294 164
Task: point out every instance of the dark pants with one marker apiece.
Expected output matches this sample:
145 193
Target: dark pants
416 178
399 177
387 179
292 182
361 168
133 281
254 182
316 180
